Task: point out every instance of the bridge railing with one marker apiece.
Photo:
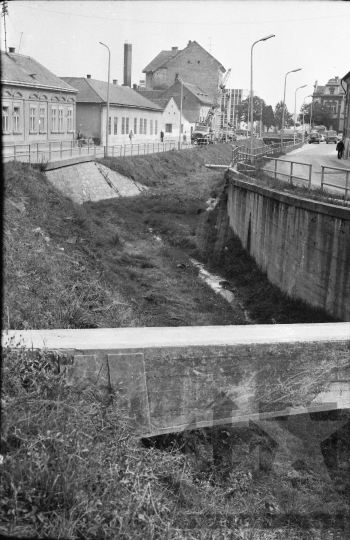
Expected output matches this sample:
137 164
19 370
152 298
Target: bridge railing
345 172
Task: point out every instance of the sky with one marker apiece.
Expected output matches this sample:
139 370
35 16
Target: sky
309 34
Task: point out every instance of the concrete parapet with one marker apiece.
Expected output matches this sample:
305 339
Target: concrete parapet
172 379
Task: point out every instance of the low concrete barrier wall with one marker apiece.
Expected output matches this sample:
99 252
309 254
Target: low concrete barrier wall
172 379
302 245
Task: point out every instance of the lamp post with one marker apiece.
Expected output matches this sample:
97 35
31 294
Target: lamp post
304 114
251 90
284 99
295 109
261 119
107 119
181 94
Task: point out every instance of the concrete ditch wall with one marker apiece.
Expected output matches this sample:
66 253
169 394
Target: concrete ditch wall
302 245
178 378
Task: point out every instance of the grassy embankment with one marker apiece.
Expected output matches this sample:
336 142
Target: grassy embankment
71 468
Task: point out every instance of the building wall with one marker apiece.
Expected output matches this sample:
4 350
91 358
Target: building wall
149 120
34 109
170 123
346 129
189 101
89 120
302 245
194 65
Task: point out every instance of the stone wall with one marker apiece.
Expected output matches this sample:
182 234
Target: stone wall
302 245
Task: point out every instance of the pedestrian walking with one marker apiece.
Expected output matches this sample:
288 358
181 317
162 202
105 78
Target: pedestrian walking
131 135
162 135
184 137
340 149
80 138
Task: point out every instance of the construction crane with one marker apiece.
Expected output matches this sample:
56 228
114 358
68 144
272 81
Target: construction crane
217 103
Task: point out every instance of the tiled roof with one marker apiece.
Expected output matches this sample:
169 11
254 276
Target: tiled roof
175 91
198 92
162 102
160 60
24 70
93 91
149 94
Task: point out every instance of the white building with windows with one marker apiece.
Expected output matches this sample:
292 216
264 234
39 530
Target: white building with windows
37 106
128 111
170 121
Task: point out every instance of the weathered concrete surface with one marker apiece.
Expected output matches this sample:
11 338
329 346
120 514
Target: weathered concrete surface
302 245
92 181
171 379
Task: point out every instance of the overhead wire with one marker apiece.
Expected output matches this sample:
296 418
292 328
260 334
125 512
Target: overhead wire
192 23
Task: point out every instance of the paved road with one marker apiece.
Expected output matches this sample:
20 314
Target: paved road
317 155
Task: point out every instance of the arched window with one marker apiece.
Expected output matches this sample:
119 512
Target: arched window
34 96
18 95
55 98
43 97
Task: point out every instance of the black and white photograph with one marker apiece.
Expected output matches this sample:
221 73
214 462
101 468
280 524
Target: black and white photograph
175 341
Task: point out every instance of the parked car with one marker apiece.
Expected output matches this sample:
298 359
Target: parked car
315 137
331 137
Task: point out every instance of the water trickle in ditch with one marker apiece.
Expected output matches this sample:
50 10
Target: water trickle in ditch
220 286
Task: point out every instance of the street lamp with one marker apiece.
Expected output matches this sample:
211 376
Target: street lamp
295 109
107 119
251 90
303 115
181 92
284 99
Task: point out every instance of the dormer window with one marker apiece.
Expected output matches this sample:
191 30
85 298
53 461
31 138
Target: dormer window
331 90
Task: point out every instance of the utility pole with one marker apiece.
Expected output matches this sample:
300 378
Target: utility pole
3 14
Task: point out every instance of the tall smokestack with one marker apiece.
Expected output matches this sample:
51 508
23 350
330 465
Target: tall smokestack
127 64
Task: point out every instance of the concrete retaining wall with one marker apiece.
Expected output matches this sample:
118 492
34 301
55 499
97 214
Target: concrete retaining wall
172 379
302 245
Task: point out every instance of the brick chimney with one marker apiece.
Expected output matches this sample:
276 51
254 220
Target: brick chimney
88 76
115 82
174 49
127 64
12 49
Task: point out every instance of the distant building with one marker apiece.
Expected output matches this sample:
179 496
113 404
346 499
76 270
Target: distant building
170 123
195 102
128 110
230 101
331 96
142 83
37 105
193 65
345 82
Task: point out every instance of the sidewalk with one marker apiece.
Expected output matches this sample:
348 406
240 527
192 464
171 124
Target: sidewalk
299 155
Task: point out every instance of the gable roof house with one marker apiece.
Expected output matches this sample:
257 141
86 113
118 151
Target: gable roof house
128 111
37 105
195 102
193 65
170 122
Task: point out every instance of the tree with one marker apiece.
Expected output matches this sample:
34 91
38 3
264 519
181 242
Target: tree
268 117
278 115
320 115
244 106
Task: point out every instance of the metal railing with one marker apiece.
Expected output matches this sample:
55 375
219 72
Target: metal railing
53 150
290 174
46 151
346 188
